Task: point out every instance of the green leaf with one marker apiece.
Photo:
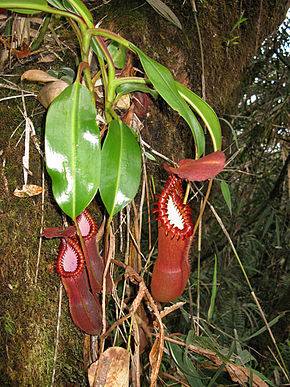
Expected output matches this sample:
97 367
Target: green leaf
163 82
150 156
233 131
56 3
240 21
205 112
214 290
182 361
127 88
165 11
121 167
264 329
72 149
226 194
78 7
118 53
25 6
74 6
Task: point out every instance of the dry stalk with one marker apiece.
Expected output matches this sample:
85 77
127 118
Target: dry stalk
57 333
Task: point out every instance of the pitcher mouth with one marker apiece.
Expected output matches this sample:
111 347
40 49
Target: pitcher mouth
173 215
70 261
87 225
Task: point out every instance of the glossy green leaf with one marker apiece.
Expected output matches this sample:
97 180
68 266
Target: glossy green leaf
56 3
226 194
164 83
205 112
72 149
127 88
25 6
121 167
118 53
74 6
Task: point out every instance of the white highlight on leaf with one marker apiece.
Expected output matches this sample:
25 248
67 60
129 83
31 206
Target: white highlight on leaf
91 138
174 216
58 162
121 198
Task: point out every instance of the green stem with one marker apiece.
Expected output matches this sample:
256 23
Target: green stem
119 81
47 9
106 242
83 11
110 35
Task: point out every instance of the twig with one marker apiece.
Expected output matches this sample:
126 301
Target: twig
154 151
166 375
201 50
41 224
109 258
277 361
198 269
148 201
57 333
136 357
18 96
172 308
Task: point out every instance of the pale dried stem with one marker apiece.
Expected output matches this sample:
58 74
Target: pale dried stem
168 376
141 210
41 224
279 364
136 246
198 269
57 334
128 236
148 200
136 356
170 309
154 151
109 258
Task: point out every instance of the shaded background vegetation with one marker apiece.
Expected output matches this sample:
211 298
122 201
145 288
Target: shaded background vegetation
252 96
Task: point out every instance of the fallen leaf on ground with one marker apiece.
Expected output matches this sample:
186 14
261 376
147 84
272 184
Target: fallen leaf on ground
27 190
49 92
111 370
37 76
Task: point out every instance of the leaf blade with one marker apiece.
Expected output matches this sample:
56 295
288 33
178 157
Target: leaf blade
163 82
205 112
26 7
165 12
226 194
73 154
121 167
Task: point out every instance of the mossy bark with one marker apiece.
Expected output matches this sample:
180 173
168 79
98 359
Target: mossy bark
28 309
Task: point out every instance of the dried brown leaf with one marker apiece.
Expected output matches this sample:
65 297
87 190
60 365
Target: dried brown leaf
111 370
241 375
49 92
37 76
27 190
